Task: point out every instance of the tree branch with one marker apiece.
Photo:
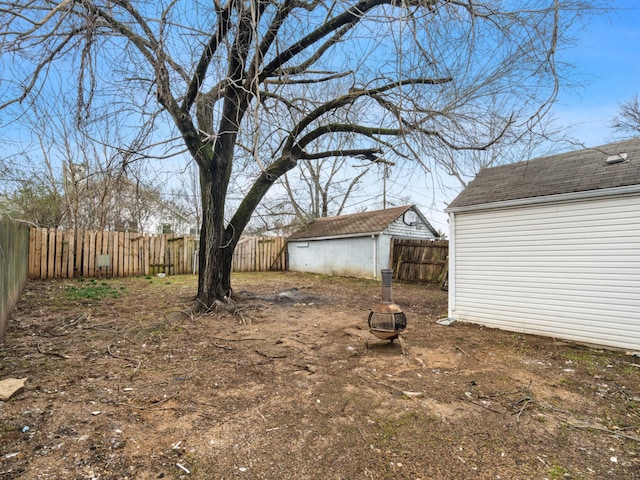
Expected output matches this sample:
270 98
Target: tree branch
303 81
40 67
348 18
370 154
270 36
207 55
322 49
356 93
47 17
347 128
260 187
144 47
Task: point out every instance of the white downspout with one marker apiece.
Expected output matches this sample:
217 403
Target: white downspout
375 257
452 264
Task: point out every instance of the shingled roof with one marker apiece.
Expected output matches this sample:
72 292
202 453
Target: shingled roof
569 172
365 223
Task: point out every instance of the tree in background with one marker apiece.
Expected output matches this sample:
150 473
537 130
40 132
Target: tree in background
319 191
627 121
81 180
96 201
187 195
255 86
38 202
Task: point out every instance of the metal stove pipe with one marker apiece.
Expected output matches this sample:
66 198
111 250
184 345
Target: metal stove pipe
387 276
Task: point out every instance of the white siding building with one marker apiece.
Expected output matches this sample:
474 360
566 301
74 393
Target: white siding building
552 247
356 245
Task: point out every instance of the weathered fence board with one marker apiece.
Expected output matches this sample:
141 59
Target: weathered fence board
421 261
14 265
260 254
68 253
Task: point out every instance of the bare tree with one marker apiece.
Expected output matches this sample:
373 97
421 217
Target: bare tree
318 191
187 194
70 180
258 86
627 120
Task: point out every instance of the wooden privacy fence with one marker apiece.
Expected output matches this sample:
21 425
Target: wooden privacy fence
260 254
14 238
421 261
56 253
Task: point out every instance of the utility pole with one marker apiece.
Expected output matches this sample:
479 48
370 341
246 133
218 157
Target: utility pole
384 185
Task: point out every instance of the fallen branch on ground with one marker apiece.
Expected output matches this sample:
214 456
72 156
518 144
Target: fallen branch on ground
54 354
615 433
466 353
527 401
123 358
480 404
270 356
241 339
406 393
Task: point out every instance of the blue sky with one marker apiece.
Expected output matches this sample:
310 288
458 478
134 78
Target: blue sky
606 71
606 64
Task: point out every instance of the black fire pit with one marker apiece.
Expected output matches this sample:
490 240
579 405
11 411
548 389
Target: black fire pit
386 320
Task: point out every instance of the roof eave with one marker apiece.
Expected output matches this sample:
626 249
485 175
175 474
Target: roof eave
333 237
561 197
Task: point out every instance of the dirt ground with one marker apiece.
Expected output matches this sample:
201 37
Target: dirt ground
124 382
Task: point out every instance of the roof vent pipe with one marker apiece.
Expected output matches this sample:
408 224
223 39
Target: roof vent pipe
621 157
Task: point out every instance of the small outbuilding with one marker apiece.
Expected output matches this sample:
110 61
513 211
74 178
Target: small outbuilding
356 245
551 246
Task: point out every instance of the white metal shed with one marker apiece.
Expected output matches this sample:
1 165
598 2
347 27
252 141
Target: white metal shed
355 245
552 247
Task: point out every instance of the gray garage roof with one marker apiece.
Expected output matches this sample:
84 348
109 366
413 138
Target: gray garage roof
569 172
356 223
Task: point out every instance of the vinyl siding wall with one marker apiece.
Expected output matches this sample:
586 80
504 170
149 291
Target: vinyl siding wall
399 229
568 270
361 257
355 256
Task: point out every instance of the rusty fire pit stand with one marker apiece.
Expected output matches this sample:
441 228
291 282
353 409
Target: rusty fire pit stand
386 320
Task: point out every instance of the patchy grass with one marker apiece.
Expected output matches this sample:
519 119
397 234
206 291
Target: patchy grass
93 290
557 472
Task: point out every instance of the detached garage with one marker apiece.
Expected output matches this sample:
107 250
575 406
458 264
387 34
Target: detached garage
551 247
356 245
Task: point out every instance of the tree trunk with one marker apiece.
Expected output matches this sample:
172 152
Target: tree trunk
218 243
216 248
